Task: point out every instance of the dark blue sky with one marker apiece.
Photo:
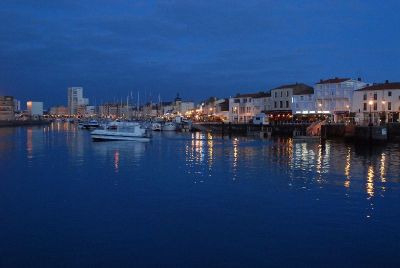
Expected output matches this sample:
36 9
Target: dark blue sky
197 48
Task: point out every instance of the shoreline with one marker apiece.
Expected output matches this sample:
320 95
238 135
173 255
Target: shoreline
22 123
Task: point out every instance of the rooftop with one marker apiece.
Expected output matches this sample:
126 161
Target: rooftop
298 88
333 80
254 95
382 86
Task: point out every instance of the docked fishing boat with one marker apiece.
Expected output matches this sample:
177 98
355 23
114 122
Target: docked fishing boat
169 126
131 132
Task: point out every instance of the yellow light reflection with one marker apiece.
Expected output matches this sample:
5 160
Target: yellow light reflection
210 144
347 168
383 168
370 181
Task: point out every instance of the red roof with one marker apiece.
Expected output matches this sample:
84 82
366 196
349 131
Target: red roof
333 80
383 86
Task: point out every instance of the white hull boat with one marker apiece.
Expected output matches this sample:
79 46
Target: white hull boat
134 133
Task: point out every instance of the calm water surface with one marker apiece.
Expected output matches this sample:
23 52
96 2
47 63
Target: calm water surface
194 200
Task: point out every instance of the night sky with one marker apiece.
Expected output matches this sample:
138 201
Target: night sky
198 48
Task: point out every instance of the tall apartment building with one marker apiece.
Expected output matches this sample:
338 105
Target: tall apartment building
76 99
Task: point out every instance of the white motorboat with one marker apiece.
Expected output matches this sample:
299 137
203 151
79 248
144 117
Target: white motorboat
132 132
169 126
156 126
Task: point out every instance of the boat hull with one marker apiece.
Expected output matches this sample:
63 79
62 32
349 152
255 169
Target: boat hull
118 138
107 135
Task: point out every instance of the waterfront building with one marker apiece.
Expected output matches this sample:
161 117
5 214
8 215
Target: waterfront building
290 99
59 111
377 103
76 99
214 109
35 108
152 110
17 105
6 108
90 110
334 97
243 107
178 106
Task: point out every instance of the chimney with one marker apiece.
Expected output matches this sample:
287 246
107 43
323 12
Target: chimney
387 82
359 79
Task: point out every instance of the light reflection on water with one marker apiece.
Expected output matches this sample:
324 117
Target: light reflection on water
315 164
275 183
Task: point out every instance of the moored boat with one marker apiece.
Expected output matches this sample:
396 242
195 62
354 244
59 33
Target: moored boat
169 126
130 133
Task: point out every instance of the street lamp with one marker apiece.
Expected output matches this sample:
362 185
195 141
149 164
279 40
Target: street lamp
370 112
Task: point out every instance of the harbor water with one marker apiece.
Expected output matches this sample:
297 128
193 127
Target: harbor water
195 200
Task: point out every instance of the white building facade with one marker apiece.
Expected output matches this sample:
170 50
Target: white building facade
377 104
244 107
288 100
334 96
304 104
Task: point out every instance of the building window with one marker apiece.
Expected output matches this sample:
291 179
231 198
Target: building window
281 94
287 104
280 104
287 93
365 96
276 94
365 106
389 106
390 93
375 106
301 97
375 96
275 105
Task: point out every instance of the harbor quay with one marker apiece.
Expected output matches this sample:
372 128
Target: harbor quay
354 133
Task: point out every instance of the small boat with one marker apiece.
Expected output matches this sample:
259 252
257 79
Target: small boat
130 133
90 125
156 126
169 126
